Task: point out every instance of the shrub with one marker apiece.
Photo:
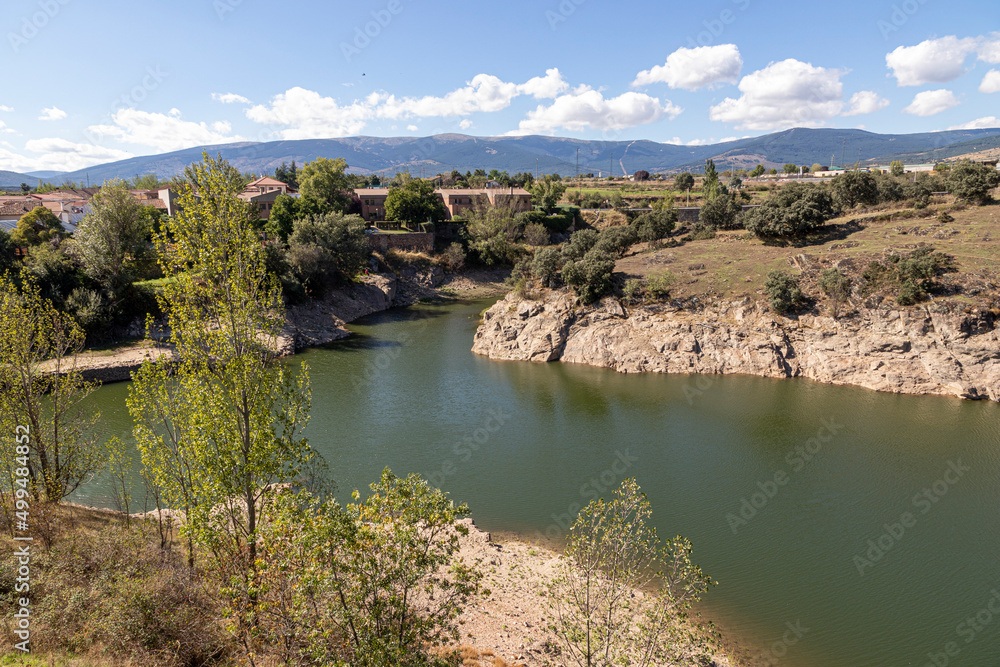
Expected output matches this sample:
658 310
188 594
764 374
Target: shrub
453 257
590 276
783 291
655 225
327 249
617 240
536 234
853 188
632 290
835 285
700 232
579 244
794 209
658 284
972 181
546 265
722 213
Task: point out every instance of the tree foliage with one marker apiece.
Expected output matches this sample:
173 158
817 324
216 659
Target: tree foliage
546 193
611 551
590 276
655 225
37 226
854 187
326 181
326 250
710 186
793 209
220 423
721 213
972 181
414 202
113 237
684 181
42 389
492 231
374 583
783 292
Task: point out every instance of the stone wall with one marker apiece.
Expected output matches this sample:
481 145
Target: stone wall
419 241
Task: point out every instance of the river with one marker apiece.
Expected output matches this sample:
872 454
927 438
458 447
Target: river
779 484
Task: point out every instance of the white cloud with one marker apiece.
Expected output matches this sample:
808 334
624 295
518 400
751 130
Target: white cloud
52 113
4 129
229 98
866 101
987 122
588 109
931 61
312 116
4 107
305 114
412 128
161 131
991 82
695 68
59 155
930 102
989 49
785 94
465 124
545 87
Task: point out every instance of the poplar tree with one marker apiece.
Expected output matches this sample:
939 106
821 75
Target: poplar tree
42 389
219 424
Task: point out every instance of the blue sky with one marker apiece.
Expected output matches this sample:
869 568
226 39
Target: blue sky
90 82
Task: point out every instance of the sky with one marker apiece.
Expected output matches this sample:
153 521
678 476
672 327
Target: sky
93 81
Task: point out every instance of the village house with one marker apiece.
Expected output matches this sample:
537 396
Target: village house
263 192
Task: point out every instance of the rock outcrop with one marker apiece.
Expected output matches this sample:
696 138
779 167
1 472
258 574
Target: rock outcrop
321 322
933 349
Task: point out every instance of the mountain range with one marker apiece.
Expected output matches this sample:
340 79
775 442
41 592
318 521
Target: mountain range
445 152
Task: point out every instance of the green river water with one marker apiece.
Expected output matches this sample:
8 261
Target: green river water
780 484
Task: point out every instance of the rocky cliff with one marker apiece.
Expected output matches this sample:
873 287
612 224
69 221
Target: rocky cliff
933 349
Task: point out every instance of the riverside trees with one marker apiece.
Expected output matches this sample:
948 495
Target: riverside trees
221 423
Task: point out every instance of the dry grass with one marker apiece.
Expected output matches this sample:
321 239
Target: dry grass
735 264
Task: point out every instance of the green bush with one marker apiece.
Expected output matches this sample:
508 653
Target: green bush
545 265
721 213
972 181
793 210
783 292
590 276
617 240
327 249
700 232
655 225
536 234
579 244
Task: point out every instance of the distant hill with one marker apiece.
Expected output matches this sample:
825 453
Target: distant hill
45 174
445 152
11 180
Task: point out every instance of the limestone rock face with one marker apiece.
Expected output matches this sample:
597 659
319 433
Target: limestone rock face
924 350
320 322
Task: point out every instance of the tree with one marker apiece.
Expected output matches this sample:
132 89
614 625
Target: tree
684 181
546 193
783 291
113 237
326 181
710 186
616 240
758 171
793 209
37 226
327 249
373 583
721 212
41 389
289 175
790 168
492 231
229 177
414 202
219 424
854 187
144 182
972 181
835 285
25 188
816 167
896 168
579 244
545 265
7 248
590 276
641 175
53 271
655 225
611 552
287 210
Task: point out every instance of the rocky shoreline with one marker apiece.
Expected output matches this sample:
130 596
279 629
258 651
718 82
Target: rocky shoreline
322 321
937 348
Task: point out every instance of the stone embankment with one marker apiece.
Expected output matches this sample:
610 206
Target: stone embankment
930 349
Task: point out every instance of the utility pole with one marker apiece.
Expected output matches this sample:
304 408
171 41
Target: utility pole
611 173
578 164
